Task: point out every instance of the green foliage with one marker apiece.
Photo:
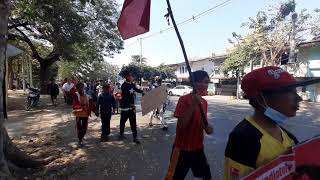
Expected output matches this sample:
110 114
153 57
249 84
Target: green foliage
270 37
93 71
137 59
147 72
75 30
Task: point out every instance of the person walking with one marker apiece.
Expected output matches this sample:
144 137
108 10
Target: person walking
159 112
117 96
53 90
67 90
106 105
127 105
82 111
188 150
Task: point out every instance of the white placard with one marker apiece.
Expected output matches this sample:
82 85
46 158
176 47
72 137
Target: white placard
153 99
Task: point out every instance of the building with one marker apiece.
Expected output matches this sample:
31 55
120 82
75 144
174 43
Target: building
209 64
308 66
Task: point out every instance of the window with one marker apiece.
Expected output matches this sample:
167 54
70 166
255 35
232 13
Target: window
179 87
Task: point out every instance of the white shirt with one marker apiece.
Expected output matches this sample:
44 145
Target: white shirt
100 89
67 87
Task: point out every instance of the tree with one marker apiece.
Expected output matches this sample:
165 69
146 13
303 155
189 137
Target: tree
315 25
165 71
269 38
68 27
87 71
137 59
4 14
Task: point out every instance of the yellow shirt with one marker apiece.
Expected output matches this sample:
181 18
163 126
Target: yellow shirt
250 146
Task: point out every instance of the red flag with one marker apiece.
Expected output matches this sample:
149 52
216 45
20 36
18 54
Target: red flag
135 18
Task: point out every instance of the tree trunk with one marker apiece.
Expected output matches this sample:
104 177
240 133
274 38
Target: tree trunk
45 74
4 14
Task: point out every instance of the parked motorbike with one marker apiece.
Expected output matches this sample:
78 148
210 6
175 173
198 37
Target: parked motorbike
32 98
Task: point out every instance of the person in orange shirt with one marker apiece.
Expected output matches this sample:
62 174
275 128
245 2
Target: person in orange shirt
82 111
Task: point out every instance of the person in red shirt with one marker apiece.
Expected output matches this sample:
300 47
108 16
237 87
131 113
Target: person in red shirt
188 145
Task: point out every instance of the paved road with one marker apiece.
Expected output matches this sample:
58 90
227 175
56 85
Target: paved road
124 160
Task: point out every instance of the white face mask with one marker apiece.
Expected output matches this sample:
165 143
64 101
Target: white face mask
273 114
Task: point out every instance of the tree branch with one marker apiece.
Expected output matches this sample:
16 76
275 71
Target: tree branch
25 38
18 25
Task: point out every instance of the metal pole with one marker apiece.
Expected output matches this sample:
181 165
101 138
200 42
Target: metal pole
30 66
186 59
23 75
292 54
140 50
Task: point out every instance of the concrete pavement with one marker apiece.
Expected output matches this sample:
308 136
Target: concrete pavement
51 131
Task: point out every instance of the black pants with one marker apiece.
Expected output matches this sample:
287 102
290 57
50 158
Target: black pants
105 124
131 115
53 97
182 161
82 125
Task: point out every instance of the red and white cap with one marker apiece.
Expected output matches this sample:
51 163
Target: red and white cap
270 78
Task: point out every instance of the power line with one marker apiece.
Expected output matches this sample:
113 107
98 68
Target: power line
192 19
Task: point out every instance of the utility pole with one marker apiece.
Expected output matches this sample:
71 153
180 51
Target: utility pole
140 39
30 71
292 54
238 70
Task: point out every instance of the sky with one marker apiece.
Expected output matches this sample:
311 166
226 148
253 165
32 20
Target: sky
202 37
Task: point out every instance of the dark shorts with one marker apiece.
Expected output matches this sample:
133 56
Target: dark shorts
181 161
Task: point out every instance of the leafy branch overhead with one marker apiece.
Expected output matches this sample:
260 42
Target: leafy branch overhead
68 27
270 37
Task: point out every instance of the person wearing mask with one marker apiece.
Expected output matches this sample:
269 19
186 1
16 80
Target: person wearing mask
188 150
127 105
106 105
260 138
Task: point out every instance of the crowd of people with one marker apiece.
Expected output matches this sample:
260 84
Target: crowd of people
255 141
103 99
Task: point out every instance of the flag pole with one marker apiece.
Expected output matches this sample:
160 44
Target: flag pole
170 14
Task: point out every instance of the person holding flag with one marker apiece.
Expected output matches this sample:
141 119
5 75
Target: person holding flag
260 138
188 151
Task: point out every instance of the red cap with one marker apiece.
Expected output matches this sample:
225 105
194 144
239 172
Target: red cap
266 78
270 78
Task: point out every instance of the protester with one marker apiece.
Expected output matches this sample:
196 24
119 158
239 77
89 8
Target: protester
99 87
159 112
117 96
188 149
127 105
67 90
82 111
53 90
105 107
260 138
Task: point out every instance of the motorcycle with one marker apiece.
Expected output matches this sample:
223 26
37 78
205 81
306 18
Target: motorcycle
32 98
